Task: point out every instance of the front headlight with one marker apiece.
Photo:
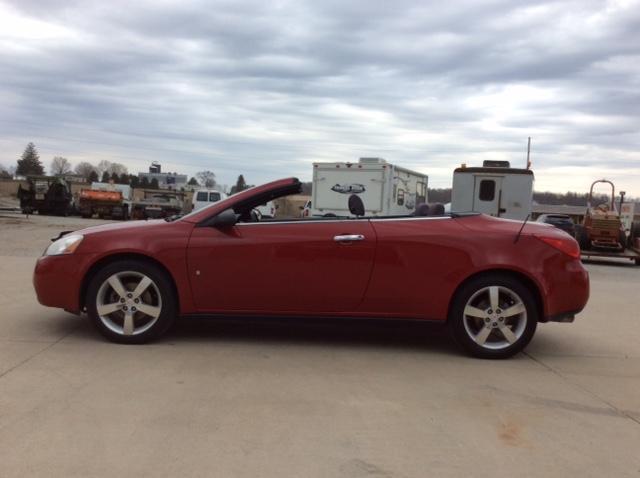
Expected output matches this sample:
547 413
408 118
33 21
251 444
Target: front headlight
64 245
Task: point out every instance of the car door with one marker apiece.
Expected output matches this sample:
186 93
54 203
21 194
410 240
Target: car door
418 263
307 266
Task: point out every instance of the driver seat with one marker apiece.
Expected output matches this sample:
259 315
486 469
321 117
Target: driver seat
356 206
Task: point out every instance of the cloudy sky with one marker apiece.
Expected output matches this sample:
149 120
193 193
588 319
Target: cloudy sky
266 88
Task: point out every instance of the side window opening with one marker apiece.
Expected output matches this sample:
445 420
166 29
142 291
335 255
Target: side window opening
400 197
201 196
487 190
421 192
213 197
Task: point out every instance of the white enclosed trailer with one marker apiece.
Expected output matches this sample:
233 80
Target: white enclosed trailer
385 189
495 189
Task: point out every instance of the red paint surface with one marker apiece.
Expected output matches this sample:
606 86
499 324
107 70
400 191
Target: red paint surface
405 268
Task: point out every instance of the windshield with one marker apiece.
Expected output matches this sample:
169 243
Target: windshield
198 211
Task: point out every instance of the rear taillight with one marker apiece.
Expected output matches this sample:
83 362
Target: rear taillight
567 245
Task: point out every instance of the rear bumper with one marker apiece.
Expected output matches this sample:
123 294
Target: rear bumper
567 293
566 317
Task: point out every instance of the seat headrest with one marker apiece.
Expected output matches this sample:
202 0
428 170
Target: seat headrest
356 206
436 209
422 210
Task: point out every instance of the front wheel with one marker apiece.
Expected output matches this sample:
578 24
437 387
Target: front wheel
493 316
131 302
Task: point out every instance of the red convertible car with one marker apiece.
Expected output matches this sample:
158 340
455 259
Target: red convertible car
491 280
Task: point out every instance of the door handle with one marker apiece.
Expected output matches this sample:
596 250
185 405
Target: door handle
348 238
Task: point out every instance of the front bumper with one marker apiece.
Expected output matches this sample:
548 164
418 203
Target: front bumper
58 279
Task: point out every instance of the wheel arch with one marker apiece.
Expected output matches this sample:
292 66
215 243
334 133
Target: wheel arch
527 281
102 262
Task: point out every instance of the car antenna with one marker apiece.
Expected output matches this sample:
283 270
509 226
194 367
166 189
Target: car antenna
521 228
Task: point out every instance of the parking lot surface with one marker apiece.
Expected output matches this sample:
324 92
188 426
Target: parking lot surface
311 399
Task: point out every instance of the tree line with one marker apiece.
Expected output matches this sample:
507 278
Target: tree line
556 199
104 171
29 164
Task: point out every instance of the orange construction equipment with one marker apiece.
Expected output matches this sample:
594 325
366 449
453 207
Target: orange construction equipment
601 228
103 203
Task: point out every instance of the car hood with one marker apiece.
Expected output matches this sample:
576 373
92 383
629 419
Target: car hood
122 227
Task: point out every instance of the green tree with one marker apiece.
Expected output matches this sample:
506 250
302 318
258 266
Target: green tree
134 181
241 184
29 163
144 183
114 177
154 184
105 177
124 178
193 182
93 176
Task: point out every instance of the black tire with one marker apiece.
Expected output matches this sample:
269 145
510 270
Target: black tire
634 233
622 240
582 237
162 295
497 346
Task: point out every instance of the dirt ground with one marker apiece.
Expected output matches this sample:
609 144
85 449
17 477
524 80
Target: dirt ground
308 399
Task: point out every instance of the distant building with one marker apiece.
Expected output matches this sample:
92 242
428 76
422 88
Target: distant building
165 180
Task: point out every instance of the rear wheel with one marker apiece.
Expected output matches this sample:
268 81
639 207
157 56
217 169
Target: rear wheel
131 302
622 240
493 316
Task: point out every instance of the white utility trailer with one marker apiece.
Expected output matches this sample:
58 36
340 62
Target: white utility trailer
385 189
495 189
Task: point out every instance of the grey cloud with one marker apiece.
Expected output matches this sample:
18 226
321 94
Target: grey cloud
242 86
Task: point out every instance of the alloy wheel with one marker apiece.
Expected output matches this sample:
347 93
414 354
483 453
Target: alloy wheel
495 317
128 303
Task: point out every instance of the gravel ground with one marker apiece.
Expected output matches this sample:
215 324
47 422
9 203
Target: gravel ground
29 236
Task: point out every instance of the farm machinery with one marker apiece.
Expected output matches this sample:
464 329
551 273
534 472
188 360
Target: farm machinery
602 233
47 195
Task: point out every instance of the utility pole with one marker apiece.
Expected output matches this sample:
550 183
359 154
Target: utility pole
529 153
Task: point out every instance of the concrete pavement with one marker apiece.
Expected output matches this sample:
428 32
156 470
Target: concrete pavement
238 399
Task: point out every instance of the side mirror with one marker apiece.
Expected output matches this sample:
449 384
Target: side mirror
226 218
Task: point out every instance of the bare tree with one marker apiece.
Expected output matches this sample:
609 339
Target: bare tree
206 178
108 167
117 168
60 166
85 169
103 166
